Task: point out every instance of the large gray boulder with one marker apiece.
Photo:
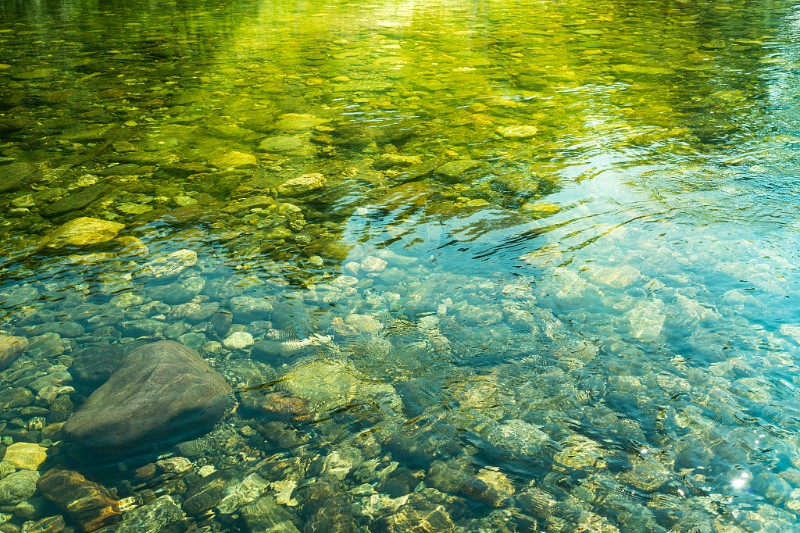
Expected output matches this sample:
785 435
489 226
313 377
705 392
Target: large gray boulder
161 393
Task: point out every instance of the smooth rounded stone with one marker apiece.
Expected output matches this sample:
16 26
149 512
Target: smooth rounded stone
456 169
142 328
68 330
194 311
265 515
302 184
373 264
179 292
247 308
18 487
329 384
50 524
15 397
59 377
6 469
616 277
170 265
387 161
21 296
364 323
11 347
25 455
453 478
246 204
239 341
166 387
235 159
540 209
16 175
299 121
518 436
82 231
88 503
518 131
75 200
283 144
646 320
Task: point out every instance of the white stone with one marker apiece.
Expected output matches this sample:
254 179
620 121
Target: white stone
617 277
373 264
239 341
647 320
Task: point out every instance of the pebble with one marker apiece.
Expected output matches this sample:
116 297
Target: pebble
25 455
239 341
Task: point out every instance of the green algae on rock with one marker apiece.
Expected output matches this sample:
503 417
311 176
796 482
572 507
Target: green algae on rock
81 231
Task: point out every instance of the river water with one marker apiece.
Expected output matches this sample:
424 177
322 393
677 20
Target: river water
487 266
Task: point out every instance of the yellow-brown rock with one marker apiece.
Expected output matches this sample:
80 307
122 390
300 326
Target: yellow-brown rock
25 455
10 348
85 502
81 231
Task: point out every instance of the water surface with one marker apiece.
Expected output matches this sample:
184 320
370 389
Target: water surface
541 272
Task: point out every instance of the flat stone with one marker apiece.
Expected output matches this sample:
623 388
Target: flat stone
517 131
455 169
387 161
239 340
282 144
16 175
50 524
18 487
170 265
302 185
248 203
82 231
167 388
11 348
235 159
298 121
541 208
75 200
617 277
373 264
25 455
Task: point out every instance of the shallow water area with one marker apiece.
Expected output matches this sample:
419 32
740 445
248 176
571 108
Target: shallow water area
509 266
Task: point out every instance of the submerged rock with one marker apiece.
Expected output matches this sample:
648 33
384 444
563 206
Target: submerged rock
170 265
302 184
88 503
10 349
82 231
18 487
155 516
162 390
74 201
519 131
15 175
25 455
455 169
330 384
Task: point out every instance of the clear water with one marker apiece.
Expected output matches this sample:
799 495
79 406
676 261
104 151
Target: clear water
593 326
